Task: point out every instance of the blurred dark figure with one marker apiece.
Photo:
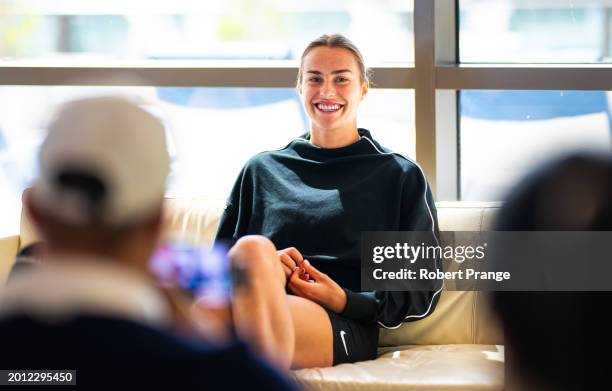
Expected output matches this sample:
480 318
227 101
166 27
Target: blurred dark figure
93 305
558 340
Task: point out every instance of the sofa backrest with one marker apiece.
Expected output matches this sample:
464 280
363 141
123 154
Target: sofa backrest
460 317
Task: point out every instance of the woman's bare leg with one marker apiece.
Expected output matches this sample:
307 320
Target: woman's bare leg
260 313
313 334
289 330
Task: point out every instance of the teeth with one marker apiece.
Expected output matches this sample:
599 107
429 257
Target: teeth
333 107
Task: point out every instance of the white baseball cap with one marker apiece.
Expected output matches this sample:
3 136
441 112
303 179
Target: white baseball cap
113 141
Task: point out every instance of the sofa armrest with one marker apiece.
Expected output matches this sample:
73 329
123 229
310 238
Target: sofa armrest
8 252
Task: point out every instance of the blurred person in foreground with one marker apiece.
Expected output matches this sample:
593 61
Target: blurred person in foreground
92 305
553 338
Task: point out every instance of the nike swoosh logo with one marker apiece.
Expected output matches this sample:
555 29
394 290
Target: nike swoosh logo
342 333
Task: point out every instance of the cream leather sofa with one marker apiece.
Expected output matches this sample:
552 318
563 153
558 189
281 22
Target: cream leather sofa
458 347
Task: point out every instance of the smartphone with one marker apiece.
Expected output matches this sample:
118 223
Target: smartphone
203 272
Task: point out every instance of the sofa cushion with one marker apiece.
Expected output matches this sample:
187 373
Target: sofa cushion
452 322
433 367
194 221
466 216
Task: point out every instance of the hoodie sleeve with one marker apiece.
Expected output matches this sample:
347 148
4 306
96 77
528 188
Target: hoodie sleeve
234 221
391 308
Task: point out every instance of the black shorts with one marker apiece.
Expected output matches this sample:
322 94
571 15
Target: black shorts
353 340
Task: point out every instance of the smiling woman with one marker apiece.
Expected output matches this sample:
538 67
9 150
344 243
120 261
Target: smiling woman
332 81
313 199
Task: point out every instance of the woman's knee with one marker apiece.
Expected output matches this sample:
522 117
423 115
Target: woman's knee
252 248
256 254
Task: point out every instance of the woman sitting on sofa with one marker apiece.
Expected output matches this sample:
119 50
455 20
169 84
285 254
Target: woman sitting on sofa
312 199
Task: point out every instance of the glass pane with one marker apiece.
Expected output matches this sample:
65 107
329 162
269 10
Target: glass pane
195 29
504 134
212 132
551 31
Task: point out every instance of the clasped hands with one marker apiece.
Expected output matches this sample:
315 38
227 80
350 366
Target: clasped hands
304 280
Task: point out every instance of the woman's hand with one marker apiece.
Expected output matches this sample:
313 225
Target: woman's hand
319 288
291 259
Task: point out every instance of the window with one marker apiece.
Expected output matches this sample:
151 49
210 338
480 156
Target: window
550 31
505 134
234 29
532 87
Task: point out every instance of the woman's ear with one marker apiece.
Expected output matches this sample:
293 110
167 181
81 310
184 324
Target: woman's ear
365 87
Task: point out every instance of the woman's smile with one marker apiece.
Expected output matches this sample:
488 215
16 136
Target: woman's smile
328 107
